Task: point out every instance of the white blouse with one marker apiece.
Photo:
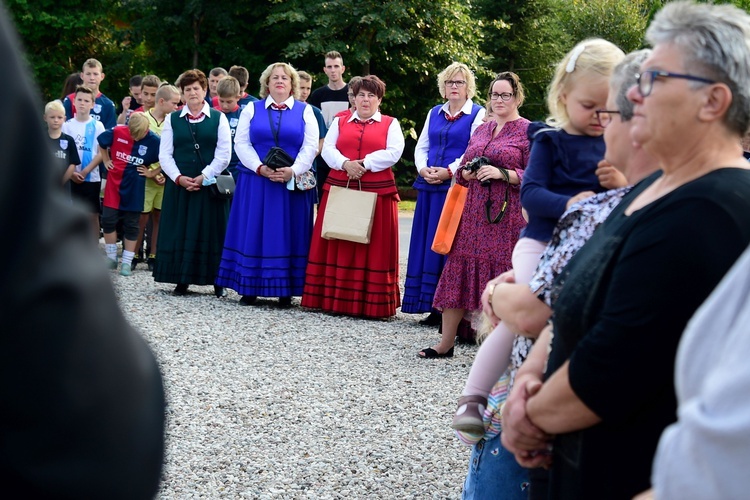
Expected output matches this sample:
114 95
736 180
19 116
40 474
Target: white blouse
376 161
222 153
249 157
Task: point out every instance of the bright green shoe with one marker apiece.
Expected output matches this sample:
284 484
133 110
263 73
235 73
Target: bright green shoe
125 270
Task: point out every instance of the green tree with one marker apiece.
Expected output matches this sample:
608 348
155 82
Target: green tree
526 37
59 36
179 35
405 43
622 22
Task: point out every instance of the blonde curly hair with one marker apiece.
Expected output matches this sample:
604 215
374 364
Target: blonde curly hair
265 77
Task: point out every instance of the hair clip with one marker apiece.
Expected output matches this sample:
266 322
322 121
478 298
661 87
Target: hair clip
571 66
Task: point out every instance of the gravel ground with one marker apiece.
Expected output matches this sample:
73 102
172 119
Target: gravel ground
287 403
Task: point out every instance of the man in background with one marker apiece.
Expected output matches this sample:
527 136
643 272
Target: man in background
330 99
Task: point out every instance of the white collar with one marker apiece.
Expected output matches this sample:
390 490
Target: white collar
465 109
377 117
206 109
289 102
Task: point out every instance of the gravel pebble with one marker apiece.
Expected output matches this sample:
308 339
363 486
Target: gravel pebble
273 403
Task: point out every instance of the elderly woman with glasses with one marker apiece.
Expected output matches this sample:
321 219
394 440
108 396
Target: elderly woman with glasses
438 154
525 307
604 394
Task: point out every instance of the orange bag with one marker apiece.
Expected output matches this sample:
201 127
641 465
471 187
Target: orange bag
449 219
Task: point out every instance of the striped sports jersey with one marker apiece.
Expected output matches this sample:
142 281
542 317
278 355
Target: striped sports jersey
125 189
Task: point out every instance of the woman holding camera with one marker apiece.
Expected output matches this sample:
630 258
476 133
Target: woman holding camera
491 221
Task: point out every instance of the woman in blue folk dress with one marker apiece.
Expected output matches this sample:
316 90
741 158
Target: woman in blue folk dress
441 145
270 223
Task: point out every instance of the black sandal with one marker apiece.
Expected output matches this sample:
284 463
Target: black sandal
431 353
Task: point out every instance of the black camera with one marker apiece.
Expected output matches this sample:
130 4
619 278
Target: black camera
475 164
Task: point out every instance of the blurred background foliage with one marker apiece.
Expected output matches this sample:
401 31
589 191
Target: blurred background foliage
405 42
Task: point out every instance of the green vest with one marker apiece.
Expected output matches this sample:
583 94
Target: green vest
206 135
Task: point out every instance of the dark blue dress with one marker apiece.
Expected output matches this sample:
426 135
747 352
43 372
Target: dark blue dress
448 141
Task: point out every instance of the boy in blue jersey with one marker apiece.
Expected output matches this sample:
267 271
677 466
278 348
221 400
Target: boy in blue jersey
131 146
103 109
228 93
167 100
92 75
84 129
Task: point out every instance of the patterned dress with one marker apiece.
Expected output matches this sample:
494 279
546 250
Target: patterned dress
482 250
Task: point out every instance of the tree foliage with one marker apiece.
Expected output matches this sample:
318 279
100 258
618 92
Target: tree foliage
198 34
59 36
406 43
622 22
526 37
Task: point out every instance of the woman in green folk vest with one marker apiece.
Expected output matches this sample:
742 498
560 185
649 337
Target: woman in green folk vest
196 146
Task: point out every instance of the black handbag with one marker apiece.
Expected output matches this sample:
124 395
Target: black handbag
223 188
277 158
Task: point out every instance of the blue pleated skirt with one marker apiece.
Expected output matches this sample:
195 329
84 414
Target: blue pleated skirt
424 266
268 238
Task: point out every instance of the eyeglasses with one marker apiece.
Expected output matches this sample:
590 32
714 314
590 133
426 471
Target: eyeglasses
604 117
645 80
455 83
505 96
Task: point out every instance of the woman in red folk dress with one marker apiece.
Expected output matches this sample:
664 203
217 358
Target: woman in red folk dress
350 278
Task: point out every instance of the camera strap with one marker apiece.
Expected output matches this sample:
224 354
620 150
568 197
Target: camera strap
488 203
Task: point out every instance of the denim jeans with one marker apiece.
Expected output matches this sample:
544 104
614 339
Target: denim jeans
494 473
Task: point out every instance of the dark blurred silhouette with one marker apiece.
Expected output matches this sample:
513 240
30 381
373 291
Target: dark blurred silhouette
81 397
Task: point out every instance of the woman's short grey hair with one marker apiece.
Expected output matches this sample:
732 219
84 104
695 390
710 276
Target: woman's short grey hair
715 43
623 78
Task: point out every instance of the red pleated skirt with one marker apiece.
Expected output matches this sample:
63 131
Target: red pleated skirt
357 279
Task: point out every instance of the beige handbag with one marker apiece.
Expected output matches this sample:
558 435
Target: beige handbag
349 213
